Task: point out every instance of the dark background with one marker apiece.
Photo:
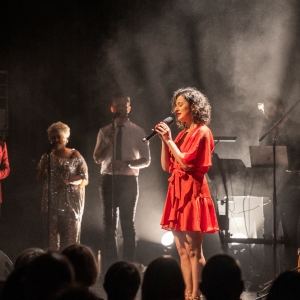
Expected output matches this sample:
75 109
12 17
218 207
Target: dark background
65 58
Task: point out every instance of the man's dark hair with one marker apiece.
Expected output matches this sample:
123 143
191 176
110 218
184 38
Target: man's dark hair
119 95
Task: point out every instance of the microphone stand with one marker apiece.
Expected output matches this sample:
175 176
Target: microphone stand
115 115
48 191
224 236
113 174
275 126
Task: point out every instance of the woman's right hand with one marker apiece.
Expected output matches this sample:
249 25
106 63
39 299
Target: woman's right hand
164 132
43 168
44 164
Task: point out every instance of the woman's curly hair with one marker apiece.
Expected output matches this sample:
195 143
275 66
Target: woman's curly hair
201 112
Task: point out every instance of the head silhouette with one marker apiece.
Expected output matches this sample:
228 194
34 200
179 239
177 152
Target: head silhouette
163 280
121 281
28 255
84 263
47 274
286 286
222 278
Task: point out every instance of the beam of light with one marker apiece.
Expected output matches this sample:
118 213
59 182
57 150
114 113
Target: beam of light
238 236
261 107
167 239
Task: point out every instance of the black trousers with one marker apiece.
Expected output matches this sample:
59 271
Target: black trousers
119 199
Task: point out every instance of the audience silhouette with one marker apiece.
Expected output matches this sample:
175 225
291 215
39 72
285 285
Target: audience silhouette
286 286
222 278
15 284
46 275
69 275
84 264
163 280
75 292
28 255
122 281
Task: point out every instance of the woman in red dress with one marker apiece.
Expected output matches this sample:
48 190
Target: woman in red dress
189 210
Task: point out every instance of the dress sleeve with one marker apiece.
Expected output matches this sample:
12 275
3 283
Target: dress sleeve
82 168
44 158
4 166
197 150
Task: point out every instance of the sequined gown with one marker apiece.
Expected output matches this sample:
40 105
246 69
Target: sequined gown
66 202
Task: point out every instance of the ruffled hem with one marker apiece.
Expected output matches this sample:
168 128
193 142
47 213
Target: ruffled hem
198 215
169 228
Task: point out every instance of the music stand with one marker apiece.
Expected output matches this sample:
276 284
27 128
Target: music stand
225 221
261 156
227 139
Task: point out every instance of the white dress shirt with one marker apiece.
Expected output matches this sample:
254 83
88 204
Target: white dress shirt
133 148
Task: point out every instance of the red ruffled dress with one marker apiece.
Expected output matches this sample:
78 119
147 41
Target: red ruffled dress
189 206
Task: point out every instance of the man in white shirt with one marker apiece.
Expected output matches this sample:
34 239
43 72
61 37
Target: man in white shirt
121 152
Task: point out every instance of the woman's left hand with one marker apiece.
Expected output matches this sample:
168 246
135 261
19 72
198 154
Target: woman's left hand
64 183
163 131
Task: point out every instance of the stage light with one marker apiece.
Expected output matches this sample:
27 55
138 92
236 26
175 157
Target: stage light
238 236
167 239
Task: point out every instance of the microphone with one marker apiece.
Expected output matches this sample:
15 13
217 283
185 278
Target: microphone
168 121
52 145
116 115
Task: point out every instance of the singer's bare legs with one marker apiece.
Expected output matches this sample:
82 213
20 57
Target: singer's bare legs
189 246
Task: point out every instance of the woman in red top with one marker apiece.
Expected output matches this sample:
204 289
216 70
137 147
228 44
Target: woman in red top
189 210
4 166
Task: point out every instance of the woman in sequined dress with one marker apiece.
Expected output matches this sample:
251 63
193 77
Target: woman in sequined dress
67 176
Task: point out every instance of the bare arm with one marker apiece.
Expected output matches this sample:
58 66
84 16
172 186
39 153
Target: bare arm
42 168
165 156
164 132
177 154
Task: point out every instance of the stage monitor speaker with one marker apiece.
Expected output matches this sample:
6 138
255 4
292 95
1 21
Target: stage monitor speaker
6 266
245 215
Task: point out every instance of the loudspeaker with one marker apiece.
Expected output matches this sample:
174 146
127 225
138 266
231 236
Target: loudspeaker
6 266
245 215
